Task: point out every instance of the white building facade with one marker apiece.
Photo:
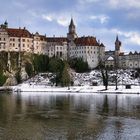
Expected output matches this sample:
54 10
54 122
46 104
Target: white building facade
72 46
121 60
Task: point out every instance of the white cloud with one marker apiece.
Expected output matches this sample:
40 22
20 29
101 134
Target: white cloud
102 18
130 37
108 36
87 1
133 15
63 21
124 4
19 4
135 38
47 17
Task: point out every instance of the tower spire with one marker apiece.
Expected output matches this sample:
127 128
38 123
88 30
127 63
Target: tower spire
72 22
117 38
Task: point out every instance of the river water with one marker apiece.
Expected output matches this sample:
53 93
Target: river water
46 116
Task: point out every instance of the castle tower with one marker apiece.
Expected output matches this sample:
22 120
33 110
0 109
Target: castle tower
72 31
71 35
117 45
6 24
117 51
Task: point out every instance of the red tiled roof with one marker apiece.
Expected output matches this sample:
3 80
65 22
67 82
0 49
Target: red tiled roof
86 41
56 39
121 54
18 32
42 37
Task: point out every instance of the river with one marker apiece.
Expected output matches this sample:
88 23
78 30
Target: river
46 116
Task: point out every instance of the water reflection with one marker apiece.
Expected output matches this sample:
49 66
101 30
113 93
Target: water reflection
69 117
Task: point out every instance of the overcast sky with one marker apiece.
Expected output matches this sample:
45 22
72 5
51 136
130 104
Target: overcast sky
103 19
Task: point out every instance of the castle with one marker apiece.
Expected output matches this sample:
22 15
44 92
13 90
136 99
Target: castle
72 46
118 59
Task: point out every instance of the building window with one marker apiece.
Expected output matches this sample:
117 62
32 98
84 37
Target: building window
23 40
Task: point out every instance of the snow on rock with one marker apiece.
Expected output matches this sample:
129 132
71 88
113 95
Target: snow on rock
88 79
83 82
24 75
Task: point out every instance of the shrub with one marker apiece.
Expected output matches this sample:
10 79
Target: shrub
79 65
2 78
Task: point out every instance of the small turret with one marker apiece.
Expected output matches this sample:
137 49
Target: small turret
71 26
6 24
117 51
72 31
117 44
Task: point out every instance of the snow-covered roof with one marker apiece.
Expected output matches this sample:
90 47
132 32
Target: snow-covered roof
110 58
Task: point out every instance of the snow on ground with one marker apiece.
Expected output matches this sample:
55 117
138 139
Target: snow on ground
76 89
83 82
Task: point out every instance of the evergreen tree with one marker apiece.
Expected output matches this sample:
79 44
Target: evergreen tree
56 66
29 69
40 62
79 65
2 78
18 76
65 78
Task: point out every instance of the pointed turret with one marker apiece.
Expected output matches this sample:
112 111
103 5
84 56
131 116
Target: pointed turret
117 39
117 42
72 31
72 23
72 27
6 24
117 51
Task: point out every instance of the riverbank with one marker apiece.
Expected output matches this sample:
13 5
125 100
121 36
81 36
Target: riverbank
76 89
6 89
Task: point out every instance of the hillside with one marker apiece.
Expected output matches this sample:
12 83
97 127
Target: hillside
90 78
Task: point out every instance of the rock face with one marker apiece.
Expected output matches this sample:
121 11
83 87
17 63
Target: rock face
23 74
11 80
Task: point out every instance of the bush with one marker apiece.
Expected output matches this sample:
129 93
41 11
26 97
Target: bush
18 77
29 69
79 65
65 76
56 65
40 62
2 78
